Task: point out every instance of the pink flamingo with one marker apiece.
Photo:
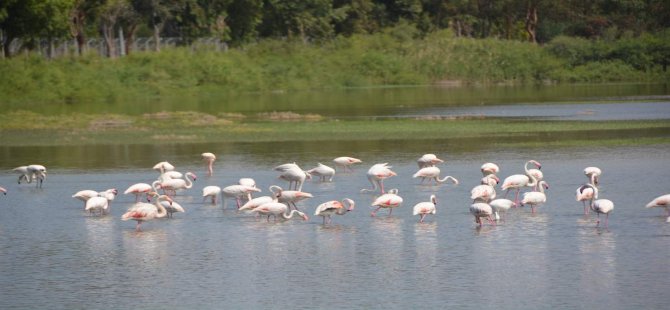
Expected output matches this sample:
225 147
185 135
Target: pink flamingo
390 201
489 168
3 190
237 191
517 181
584 193
376 175
593 173
534 199
293 174
661 202
600 206
175 184
329 208
85 195
209 158
142 211
485 192
291 198
99 203
346 162
212 192
277 209
163 166
141 188
428 160
322 171
482 210
500 206
424 208
433 173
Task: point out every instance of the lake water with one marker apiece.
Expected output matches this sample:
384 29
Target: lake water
54 256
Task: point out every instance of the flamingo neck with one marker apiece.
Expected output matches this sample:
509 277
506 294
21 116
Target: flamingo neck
290 215
161 210
448 178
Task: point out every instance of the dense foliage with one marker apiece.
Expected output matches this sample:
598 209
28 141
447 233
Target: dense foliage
241 21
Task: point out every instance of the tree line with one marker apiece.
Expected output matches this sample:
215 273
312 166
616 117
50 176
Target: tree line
238 22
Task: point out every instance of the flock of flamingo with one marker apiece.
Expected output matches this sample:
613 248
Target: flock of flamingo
282 203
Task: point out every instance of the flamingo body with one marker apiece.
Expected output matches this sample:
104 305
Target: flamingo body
212 192
138 189
142 212
322 171
424 208
433 173
661 202
389 201
346 162
428 160
489 168
278 209
377 174
333 207
237 191
481 210
593 173
534 199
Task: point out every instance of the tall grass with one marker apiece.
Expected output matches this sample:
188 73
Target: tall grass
394 57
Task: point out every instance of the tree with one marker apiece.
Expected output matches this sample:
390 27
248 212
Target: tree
155 13
308 18
109 14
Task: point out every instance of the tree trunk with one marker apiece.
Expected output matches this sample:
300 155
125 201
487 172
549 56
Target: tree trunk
531 21
157 37
77 30
6 45
108 35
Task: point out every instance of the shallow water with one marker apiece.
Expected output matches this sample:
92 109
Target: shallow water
54 256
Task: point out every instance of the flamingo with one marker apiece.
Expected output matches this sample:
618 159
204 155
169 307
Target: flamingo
376 175
329 208
346 162
138 189
247 182
499 206
389 201
586 192
428 160
169 175
293 173
424 208
256 202
237 191
593 173
276 209
534 199
31 173
480 210
433 173
661 202
602 206
485 192
171 207
85 195
99 203
322 171
489 168
23 174
163 166
175 184
209 158
537 175
211 191
142 211
291 198
517 181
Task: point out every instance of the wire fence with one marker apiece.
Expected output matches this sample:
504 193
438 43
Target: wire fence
62 48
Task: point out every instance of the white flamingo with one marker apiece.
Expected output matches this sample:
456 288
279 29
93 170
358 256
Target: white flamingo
322 171
334 207
661 202
173 185
293 174
142 211
291 198
424 208
428 160
172 207
139 189
209 158
32 173
500 206
256 202
376 175
278 209
169 175
433 173
482 210
99 203
593 173
212 192
85 195
390 201
517 181
535 199
163 166
237 191
247 182
346 162
489 168
584 193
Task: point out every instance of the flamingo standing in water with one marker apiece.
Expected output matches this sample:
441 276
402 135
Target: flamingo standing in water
390 201
428 160
329 208
87 194
424 208
376 175
247 182
593 173
141 188
489 168
209 158
486 191
237 191
500 206
211 191
277 209
433 173
100 202
142 211
175 184
587 192
291 198
600 206
322 171
32 173
163 166
661 202
534 199
256 202
293 174
482 210
517 181
346 162
171 207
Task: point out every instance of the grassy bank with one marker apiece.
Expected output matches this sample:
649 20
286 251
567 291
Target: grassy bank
31 129
390 58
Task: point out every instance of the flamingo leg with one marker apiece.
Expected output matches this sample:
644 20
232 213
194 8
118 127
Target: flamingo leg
324 220
381 185
237 199
516 197
137 227
422 216
375 211
390 211
598 220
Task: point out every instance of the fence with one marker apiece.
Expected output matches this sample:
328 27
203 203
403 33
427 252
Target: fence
61 48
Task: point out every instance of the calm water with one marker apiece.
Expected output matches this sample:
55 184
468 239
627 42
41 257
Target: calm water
53 256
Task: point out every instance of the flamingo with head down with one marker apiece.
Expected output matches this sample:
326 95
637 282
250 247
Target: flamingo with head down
141 188
346 162
334 207
322 171
237 191
661 202
489 168
376 175
428 160
593 173
290 198
212 192
142 212
3 190
293 174
433 173
209 158
278 209
482 210
390 201
587 192
85 195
